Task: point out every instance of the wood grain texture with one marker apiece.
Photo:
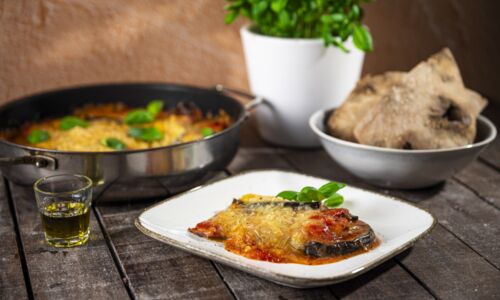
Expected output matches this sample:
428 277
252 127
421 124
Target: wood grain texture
451 269
246 286
82 272
12 285
387 281
467 225
464 214
484 180
154 269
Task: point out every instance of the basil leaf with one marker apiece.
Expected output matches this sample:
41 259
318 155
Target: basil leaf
330 188
148 134
70 122
355 12
362 38
230 16
278 5
301 197
309 194
207 131
139 116
334 200
154 107
114 143
339 45
289 195
37 136
313 193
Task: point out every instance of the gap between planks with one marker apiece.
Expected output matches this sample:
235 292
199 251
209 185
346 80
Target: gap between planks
19 241
472 189
114 254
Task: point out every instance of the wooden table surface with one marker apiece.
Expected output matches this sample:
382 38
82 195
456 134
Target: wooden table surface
459 259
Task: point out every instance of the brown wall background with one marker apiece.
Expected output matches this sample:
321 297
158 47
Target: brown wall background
47 44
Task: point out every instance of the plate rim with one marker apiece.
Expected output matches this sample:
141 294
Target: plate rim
287 280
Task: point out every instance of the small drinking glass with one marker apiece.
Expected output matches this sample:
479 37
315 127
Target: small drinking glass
64 205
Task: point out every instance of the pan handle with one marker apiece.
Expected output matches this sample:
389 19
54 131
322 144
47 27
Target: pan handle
39 161
254 100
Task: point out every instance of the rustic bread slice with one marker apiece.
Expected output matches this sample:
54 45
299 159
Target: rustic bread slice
368 92
429 109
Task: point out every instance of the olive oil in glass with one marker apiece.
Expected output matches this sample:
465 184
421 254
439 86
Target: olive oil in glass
64 205
66 223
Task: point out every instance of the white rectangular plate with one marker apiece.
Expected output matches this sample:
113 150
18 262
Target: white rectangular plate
397 224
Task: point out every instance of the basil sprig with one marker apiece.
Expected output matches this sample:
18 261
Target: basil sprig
139 116
37 136
147 134
69 122
327 194
114 143
155 107
147 115
207 131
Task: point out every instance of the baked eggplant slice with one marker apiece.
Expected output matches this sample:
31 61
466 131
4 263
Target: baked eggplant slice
277 230
362 240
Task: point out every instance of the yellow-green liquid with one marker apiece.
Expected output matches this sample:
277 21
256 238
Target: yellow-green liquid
66 224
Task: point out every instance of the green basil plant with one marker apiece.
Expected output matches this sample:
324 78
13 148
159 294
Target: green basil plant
332 20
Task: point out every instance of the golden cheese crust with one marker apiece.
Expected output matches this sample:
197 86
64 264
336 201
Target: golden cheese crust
106 121
276 230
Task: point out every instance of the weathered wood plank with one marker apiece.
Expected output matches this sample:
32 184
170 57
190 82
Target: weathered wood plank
484 180
387 281
246 286
154 269
255 158
456 208
250 138
462 212
12 283
82 272
318 163
451 269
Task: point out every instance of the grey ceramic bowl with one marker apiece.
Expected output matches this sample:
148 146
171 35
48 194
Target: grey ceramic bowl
403 169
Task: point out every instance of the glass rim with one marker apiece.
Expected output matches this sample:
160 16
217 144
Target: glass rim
39 181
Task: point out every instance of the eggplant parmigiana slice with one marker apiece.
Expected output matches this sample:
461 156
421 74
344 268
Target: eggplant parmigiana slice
281 231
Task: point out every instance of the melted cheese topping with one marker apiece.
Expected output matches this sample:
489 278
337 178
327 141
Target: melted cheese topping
106 121
264 228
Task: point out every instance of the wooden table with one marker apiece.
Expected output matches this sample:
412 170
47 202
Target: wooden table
459 259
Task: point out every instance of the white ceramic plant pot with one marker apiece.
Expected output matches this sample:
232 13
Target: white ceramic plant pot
297 77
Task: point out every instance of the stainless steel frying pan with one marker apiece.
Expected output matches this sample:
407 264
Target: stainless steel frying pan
130 174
